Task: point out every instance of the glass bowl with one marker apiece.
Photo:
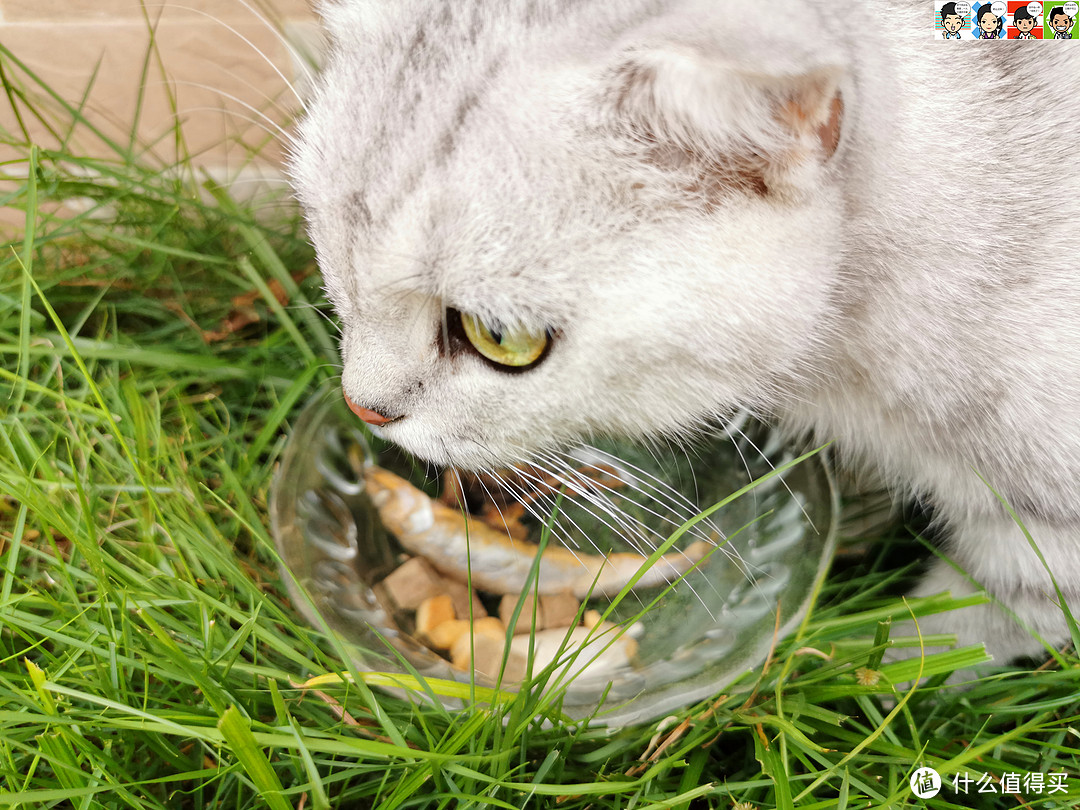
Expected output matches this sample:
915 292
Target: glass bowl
768 547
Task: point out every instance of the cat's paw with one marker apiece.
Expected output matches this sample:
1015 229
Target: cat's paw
1018 621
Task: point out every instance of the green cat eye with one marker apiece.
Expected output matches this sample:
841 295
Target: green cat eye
507 347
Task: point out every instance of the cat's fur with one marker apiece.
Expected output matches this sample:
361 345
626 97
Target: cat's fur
660 184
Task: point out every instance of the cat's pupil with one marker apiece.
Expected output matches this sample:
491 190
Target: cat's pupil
497 336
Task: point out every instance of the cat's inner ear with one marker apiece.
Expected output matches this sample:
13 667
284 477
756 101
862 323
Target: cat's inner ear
814 114
749 131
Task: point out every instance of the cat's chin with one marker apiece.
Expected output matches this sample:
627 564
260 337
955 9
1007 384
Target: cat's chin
450 451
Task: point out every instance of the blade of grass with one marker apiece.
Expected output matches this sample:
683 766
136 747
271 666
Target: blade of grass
236 729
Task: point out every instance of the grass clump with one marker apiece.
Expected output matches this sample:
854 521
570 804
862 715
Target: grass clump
150 659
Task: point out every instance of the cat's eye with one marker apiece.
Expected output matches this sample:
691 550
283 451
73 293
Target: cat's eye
514 348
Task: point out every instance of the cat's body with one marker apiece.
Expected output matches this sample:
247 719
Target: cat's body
810 209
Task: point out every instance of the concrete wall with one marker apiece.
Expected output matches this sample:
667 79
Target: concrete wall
227 64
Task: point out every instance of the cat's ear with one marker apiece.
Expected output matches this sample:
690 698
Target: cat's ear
774 130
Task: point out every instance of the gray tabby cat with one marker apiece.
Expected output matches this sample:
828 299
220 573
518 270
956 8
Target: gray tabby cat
541 220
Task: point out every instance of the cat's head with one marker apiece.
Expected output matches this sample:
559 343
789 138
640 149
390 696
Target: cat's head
538 231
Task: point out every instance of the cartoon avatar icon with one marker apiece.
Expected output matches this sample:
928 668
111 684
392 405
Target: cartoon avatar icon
1024 22
989 23
951 21
1061 22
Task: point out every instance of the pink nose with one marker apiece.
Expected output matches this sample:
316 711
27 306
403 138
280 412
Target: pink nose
368 415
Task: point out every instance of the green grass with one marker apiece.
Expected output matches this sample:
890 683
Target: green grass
148 654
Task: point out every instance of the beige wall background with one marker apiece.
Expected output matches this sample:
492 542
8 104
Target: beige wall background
226 65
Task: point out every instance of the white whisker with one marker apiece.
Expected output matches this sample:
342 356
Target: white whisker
586 487
637 527
297 58
766 459
630 529
529 499
247 181
262 121
321 311
662 492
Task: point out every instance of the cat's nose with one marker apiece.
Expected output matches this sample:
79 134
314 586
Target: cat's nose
368 415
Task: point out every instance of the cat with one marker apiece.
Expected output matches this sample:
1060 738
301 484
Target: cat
543 220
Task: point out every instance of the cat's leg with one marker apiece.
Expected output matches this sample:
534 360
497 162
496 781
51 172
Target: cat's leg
994 553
